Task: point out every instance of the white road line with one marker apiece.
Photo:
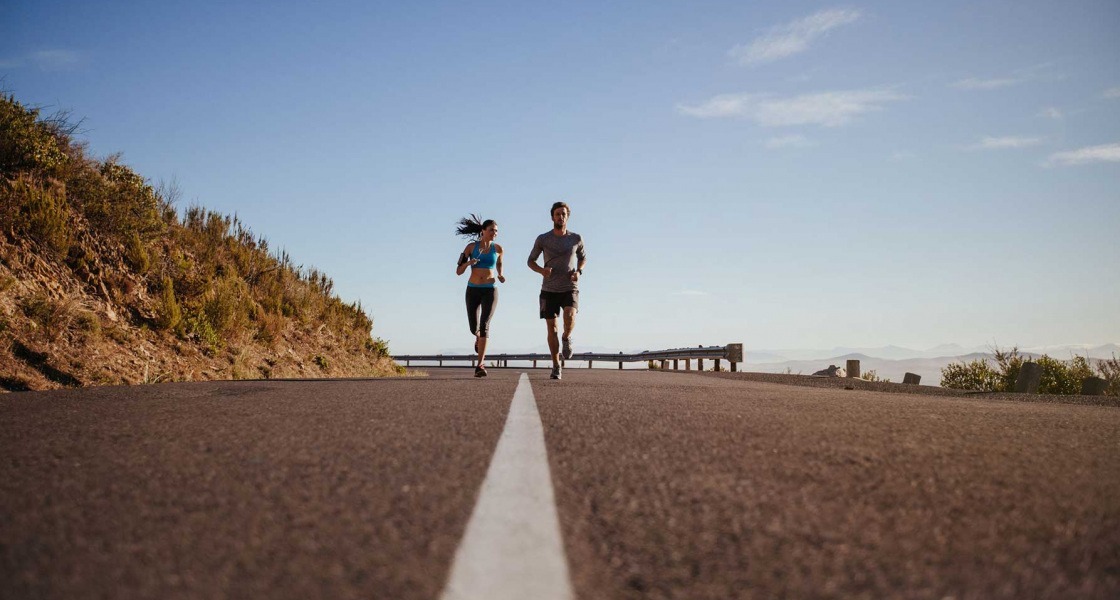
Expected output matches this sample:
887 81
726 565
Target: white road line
512 547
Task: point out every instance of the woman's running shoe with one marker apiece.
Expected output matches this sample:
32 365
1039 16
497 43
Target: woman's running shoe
555 373
480 371
566 352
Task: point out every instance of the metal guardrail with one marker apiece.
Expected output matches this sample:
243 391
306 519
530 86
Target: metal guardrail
732 353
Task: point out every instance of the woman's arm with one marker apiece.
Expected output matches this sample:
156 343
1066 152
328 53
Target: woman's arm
465 261
501 278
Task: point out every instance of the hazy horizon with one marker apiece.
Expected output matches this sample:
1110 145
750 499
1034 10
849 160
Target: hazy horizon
792 175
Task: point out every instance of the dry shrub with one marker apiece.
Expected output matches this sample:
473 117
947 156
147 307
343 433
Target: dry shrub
88 323
38 212
1109 368
227 306
270 327
50 318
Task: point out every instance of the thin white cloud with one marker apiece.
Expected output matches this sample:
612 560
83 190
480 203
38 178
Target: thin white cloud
792 38
1040 72
790 141
1052 113
1111 93
827 109
1005 143
1087 155
973 83
54 59
46 60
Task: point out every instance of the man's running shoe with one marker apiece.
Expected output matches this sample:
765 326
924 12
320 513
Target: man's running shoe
566 351
480 372
555 373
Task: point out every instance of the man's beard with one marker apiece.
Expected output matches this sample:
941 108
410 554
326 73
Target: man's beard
558 226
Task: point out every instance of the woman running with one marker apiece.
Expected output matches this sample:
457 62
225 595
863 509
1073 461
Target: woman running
484 258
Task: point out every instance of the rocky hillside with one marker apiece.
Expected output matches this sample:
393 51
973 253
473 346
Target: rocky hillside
104 282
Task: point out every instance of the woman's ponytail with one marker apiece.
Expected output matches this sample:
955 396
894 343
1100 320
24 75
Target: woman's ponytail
470 227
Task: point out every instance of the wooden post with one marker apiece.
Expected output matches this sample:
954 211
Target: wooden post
853 369
911 378
1030 375
734 354
1093 386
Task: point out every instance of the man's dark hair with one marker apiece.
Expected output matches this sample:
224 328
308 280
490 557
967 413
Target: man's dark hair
557 205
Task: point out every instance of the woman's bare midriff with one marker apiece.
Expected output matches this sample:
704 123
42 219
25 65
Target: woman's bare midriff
480 276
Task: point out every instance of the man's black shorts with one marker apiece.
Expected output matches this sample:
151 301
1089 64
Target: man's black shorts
553 302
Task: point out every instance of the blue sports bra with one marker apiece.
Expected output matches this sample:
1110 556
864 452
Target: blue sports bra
488 260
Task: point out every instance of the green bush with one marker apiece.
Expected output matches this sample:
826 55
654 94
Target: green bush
198 325
136 254
38 212
976 375
26 143
378 347
226 306
169 315
1058 377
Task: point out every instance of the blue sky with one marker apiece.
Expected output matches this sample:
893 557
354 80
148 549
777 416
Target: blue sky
786 175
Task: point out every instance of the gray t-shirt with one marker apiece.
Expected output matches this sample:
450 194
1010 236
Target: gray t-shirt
562 253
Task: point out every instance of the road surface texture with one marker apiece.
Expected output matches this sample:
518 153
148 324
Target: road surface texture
666 485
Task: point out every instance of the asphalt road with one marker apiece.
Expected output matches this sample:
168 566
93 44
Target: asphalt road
666 485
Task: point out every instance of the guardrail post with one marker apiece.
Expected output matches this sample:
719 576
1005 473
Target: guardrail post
734 354
620 365
699 364
676 365
1030 375
590 364
688 364
1093 386
853 369
664 364
716 368
534 364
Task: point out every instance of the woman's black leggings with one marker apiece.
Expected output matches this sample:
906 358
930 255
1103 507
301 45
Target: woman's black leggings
481 300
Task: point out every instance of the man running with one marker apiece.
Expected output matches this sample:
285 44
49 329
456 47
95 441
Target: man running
564 260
